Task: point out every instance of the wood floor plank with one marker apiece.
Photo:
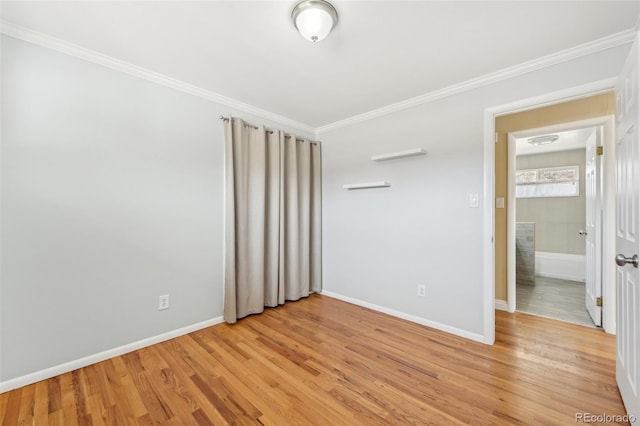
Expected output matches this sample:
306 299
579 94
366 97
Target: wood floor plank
127 396
322 361
69 407
266 394
181 384
11 410
27 405
41 405
56 418
183 369
4 399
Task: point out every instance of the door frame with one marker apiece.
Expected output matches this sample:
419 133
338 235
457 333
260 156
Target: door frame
606 203
490 115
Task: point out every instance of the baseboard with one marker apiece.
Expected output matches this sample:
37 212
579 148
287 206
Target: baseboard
92 359
413 318
501 305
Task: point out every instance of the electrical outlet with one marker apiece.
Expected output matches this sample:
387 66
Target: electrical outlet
163 302
422 290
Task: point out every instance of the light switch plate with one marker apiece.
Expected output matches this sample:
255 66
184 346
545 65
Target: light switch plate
500 203
474 200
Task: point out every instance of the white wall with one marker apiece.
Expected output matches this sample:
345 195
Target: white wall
380 244
111 196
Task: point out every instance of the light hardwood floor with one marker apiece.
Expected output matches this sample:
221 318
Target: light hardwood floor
321 361
554 298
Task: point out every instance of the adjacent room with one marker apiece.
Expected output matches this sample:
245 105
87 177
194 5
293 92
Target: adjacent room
274 212
551 224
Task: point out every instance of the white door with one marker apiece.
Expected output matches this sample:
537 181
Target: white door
593 243
627 242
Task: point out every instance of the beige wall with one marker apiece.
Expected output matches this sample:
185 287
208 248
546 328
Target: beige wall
581 109
558 219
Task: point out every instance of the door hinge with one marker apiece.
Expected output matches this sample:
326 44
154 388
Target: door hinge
496 137
599 150
598 301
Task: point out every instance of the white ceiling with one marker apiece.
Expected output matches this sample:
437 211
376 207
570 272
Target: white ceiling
381 52
568 140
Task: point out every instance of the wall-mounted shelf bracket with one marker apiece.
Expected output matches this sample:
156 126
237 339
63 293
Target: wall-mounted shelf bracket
366 185
399 154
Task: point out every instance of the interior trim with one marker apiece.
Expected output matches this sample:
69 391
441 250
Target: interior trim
413 318
502 305
95 57
56 370
624 37
59 45
490 115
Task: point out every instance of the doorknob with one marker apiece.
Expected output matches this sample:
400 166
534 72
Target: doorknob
621 260
582 232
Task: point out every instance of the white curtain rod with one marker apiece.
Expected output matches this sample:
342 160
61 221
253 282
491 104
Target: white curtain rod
223 118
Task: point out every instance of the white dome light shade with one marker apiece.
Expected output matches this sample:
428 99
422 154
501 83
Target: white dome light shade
314 24
543 140
314 19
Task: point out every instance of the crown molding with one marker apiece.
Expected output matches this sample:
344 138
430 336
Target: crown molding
595 46
62 46
89 55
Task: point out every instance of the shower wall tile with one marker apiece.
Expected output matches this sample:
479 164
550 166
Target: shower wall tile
525 253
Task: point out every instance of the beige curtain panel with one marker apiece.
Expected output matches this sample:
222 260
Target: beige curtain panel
273 218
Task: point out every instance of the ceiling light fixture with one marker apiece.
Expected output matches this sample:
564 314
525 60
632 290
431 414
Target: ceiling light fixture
314 19
543 140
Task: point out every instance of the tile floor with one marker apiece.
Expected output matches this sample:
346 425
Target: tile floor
554 298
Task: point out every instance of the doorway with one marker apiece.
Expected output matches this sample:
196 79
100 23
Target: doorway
555 188
583 112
